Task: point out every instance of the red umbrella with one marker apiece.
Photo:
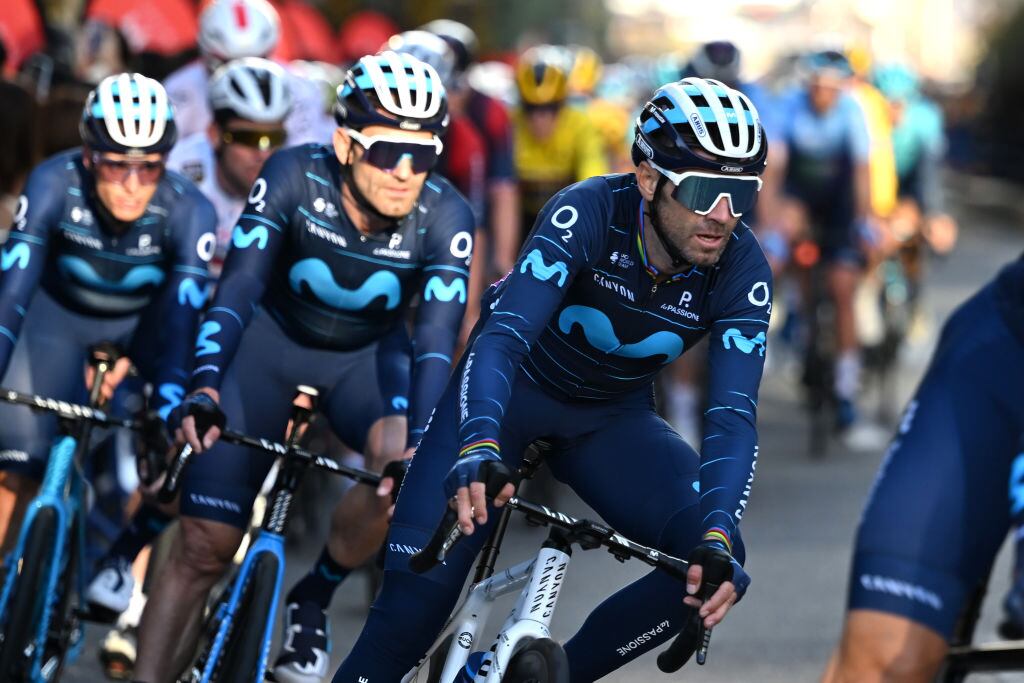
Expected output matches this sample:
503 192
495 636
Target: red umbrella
305 33
21 32
363 34
163 26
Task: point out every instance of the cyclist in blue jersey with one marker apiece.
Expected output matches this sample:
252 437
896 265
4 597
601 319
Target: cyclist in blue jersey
332 245
249 98
620 275
938 513
919 146
106 246
825 193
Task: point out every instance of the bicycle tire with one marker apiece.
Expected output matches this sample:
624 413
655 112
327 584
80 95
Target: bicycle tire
244 645
64 620
28 597
541 661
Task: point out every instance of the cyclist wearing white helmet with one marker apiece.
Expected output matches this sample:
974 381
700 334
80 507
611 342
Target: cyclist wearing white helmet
332 245
619 275
103 239
232 29
250 100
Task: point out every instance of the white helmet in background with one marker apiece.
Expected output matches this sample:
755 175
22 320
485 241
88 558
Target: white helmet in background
426 47
230 29
253 89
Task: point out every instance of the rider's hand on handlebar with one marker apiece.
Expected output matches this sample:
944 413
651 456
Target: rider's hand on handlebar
112 379
714 608
188 432
466 486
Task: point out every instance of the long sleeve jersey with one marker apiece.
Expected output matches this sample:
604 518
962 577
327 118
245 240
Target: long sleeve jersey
583 317
155 267
296 253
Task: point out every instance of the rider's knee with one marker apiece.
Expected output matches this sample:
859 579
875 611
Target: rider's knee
886 648
18 484
207 548
385 442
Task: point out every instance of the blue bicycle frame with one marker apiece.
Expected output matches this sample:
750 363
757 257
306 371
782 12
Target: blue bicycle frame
266 542
61 492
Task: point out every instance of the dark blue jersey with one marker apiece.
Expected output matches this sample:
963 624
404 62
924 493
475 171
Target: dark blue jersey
582 315
296 253
1009 296
155 266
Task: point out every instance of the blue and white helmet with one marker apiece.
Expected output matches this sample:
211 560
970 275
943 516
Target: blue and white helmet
128 113
701 123
391 89
426 47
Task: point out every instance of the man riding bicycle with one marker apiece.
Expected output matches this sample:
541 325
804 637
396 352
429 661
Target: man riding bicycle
107 245
620 275
826 195
249 99
332 245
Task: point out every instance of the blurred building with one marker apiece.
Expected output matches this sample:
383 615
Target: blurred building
942 38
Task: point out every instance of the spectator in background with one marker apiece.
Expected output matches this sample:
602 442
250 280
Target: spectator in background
497 244
20 151
362 34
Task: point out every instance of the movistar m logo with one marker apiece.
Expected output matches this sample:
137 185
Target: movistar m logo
172 393
82 271
191 293
314 274
599 333
204 345
437 289
746 345
19 254
542 271
243 240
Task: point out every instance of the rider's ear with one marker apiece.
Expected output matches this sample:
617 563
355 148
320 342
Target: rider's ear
646 180
342 145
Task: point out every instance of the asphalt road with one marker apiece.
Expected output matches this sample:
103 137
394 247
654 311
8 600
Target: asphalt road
798 528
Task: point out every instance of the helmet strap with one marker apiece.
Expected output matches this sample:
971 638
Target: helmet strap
652 215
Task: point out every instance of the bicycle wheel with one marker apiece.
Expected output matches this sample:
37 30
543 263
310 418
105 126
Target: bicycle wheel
541 661
28 598
65 626
244 645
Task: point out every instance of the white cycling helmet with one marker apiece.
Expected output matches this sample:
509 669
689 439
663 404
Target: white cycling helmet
426 47
128 113
230 29
253 89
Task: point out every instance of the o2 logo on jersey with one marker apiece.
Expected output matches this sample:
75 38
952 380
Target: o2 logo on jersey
759 295
542 271
257 193
461 246
20 213
205 246
567 222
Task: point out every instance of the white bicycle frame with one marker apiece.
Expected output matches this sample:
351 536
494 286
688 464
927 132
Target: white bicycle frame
539 581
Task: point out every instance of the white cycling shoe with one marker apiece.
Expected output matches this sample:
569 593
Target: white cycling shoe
305 655
112 588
